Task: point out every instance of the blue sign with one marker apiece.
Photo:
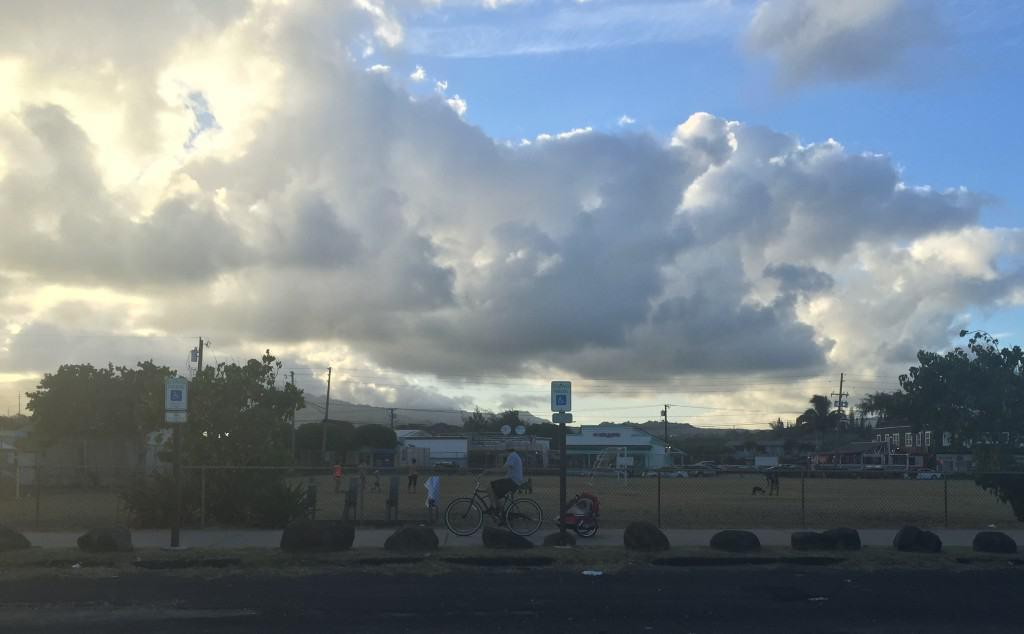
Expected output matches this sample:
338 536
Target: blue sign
176 395
561 396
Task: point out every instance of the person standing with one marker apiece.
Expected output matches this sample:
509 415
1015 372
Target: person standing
413 476
337 478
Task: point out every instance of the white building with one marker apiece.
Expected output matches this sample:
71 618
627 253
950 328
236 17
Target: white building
585 444
449 449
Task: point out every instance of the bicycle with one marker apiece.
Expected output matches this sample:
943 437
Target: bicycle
464 516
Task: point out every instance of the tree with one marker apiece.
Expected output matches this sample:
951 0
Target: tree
486 422
238 415
477 421
339 439
888 406
509 417
818 417
374 437
777 427
975 392
81 402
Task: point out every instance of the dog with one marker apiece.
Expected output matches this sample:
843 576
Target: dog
757 491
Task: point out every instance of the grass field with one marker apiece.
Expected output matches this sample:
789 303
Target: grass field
720 502
725 501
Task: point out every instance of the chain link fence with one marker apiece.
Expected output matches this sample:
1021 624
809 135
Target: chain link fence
726 500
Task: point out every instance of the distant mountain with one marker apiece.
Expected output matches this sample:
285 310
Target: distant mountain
370 414
677 430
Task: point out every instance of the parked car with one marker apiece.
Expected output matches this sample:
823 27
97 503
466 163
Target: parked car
446 465
709 464
929 474
784 467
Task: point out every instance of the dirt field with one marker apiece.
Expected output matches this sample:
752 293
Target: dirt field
719 502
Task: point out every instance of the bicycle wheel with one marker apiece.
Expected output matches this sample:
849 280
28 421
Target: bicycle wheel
523 516
463 517
585 527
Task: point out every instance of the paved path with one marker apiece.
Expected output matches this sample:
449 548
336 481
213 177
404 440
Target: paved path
374 538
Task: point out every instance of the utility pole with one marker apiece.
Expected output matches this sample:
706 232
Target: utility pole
327 411
664 416
199 357
391 414
293 418
841 403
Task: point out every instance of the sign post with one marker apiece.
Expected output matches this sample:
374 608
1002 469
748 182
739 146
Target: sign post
176 413
561 403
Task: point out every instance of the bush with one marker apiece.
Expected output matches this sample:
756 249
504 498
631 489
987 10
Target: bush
261 499
1008 487
151 501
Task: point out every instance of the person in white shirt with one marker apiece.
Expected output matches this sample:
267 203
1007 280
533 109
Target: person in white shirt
513 478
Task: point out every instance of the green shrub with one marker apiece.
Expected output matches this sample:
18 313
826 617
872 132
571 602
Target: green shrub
262 499
151 501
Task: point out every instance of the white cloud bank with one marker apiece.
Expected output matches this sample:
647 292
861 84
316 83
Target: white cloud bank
330 216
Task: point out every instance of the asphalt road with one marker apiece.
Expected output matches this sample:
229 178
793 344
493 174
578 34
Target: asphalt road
764 600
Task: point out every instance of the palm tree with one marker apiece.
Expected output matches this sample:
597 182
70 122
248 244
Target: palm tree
819 417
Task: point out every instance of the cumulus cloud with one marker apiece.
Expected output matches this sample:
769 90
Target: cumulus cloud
840 39
328 211
418 75
625 120
458 104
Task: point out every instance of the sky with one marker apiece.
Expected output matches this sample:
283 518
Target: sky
722 205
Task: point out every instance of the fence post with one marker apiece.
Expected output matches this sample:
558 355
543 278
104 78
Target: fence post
659 499
202 497
803 500
945 502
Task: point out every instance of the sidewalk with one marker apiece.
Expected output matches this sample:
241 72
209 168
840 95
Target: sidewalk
375 537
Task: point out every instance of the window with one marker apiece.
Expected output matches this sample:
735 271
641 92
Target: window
927 439
947 439
918 437
878 437
908 438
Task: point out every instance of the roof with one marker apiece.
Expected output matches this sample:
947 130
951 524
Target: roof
411 433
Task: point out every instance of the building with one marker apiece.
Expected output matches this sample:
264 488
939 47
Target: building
452 450
488 450
588 445
471 451
746 451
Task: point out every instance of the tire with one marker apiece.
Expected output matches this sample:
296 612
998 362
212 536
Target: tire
463 517
523 517
585 527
